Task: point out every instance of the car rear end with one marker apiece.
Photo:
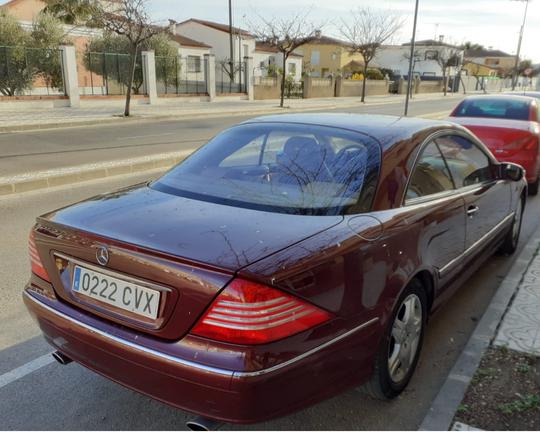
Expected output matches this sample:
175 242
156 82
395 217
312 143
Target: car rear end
207 341
508 126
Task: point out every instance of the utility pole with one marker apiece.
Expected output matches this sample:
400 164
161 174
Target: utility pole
231 55
411 67
515 75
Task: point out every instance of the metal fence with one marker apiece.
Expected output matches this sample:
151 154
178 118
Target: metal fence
230 77
31 71
176 75
108 74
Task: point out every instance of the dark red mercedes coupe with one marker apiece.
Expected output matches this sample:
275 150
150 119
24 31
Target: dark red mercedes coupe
290 258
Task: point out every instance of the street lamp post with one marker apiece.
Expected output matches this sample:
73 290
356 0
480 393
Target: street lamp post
516 65
411 67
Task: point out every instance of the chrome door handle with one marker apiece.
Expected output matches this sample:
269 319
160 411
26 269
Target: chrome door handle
471 211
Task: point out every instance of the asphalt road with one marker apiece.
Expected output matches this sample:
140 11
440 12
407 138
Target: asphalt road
40 150
71 397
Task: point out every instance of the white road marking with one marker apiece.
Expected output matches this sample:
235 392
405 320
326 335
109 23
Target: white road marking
25 369
145 136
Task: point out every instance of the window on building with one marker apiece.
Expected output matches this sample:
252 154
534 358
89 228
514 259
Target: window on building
291 68
431 55
315 58
194 64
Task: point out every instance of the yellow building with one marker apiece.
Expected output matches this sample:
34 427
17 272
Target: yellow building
478 69
494 59
327 56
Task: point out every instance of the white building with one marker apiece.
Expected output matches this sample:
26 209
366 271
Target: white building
266 56
426 53
216 35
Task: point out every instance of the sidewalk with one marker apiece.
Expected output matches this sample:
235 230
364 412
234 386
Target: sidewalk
18 116
495 384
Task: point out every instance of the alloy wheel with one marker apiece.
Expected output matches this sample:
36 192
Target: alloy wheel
405 338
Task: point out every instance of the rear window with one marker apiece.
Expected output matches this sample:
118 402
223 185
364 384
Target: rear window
494 108
288 168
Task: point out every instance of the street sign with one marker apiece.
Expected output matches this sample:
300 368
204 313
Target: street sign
527 71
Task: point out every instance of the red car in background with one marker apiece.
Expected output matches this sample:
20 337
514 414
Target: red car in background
509 125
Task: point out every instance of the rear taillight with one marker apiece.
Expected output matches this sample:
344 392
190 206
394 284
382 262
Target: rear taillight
35 260
249 313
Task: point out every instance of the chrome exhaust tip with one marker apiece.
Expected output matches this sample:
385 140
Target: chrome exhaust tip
61 358
203 424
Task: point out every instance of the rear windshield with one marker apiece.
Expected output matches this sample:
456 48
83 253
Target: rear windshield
494 108
288 168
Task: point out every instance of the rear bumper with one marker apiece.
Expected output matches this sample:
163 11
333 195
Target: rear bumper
221 394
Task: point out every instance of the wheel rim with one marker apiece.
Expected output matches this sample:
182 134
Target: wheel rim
517 223
405 338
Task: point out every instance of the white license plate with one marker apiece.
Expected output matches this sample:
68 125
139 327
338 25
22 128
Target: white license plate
117 292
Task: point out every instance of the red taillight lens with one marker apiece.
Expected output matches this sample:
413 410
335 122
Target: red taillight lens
35 261
250 313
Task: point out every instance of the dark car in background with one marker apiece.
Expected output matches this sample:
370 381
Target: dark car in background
509 125
289 259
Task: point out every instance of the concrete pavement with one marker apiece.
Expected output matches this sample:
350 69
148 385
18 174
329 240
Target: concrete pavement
55 397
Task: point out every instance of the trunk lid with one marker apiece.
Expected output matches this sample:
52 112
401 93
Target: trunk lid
503 137
186 248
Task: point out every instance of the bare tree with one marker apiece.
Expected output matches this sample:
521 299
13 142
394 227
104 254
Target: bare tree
130 19
285 35
448 57
366 31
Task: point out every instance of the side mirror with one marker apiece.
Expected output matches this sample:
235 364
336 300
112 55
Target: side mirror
512 171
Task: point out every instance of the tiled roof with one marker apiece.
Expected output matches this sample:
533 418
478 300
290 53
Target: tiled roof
486 53
185 41
220 27
265 47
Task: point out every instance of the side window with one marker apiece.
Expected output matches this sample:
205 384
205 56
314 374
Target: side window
430 175
247 155
468 164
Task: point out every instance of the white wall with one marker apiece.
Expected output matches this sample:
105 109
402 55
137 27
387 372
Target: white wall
218 40
267 58
396 59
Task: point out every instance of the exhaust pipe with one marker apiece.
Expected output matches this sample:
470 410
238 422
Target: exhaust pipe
203 424
61 358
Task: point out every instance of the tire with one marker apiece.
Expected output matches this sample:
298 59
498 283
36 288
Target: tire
511 239
386 383
533 187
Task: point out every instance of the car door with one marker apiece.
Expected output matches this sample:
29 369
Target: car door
436 210
474 171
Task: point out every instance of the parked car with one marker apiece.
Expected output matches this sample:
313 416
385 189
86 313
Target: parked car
290 258
509 125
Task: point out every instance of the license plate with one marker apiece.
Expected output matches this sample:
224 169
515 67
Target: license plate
116 292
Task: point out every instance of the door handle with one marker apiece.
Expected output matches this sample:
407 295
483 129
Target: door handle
471 211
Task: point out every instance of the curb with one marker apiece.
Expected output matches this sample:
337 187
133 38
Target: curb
64 176
445 404
197 115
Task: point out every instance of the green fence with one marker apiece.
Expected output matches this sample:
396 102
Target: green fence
108 74
31 71
177 75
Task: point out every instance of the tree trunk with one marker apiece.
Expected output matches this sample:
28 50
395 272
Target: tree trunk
364 83
130 81
283 75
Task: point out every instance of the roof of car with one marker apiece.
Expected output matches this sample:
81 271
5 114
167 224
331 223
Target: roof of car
386 129
502 96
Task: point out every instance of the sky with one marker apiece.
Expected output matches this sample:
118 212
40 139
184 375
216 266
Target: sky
492 23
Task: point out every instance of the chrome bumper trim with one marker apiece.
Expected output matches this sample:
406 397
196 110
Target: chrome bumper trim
210 369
